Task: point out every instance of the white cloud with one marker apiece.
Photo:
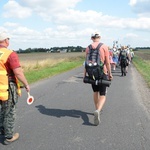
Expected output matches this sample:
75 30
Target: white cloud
48 8
132 2
51 4
141 7
66 25
14 10
136 2
131 35
3 29
25 33
11 24
74 18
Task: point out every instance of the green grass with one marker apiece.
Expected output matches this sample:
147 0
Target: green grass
45 72
143 66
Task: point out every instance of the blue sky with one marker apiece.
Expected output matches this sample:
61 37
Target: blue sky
49 23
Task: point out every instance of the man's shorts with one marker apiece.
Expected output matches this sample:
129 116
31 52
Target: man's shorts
100 88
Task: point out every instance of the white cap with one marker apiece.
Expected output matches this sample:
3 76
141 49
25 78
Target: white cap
95 35
3 36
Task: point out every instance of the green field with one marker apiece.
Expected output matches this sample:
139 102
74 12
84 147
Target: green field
142 63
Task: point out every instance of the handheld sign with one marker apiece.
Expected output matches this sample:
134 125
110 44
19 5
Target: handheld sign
30 99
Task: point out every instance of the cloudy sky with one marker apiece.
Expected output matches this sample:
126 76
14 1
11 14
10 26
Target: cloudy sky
49 23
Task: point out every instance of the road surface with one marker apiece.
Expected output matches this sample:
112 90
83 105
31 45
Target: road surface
61 118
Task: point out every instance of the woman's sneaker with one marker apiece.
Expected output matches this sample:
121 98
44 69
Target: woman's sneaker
14 138
96 117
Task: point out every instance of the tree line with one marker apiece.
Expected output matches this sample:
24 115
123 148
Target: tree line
53 49
141 48
65 49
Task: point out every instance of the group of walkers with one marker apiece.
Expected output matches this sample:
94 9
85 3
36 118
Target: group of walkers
121 57
110 59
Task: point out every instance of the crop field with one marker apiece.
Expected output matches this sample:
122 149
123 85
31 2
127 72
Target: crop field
33 61
144 54
44 56
37 66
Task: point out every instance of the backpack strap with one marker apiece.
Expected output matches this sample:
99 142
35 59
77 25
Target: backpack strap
90 46
98 46
91 51
98 52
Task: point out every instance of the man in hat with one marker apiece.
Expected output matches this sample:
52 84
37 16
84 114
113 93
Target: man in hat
99 91
10 73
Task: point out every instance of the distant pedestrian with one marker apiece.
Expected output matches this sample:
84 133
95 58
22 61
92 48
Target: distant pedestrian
124 60
99 91
131 54
10 73
115 57
110 57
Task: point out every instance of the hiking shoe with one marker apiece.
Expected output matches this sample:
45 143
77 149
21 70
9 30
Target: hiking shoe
14 138
96 117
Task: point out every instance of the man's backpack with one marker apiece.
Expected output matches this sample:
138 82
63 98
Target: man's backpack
93 64
123 55
123 58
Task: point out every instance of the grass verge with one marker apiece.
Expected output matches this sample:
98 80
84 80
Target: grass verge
48 71
143 66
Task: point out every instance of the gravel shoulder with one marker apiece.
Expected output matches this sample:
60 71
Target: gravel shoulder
141 89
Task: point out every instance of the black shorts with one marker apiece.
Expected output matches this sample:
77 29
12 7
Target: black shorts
100 88
124 63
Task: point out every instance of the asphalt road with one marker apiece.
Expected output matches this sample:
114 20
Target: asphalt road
61 118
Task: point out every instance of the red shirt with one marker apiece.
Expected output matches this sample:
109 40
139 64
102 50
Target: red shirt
12 63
